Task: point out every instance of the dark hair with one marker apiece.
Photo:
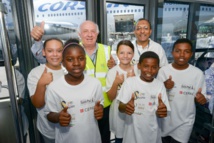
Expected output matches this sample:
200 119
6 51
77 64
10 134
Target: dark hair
141 20
149 54
182 40
127 43
50 39
72 43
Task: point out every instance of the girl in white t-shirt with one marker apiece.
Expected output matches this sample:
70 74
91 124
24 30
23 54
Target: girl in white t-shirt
74 101
114 80
39 78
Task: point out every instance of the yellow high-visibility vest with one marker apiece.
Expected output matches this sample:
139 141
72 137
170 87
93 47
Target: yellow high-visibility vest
100 69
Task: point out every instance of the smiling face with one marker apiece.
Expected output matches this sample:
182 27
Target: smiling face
88 33
142 31
125 54
74 61
149 68
181 53
53 53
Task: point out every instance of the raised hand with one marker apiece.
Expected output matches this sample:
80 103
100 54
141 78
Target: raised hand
38 31
162 110
200 97
131 73
46 77
64 117
119 79
111 62
98 111
130 106
169 83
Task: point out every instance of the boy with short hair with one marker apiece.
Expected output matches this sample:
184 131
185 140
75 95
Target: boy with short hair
185 84
144 99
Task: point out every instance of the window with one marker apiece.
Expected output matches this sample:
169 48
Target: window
120 25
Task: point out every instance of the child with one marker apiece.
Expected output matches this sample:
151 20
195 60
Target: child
185 85
114 80
73 102
143 98
39 78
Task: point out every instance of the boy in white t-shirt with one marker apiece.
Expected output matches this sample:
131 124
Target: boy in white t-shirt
143 98
185 84
74 101
39 78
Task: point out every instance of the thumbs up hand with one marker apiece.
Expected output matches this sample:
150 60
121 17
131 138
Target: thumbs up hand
119 79
131 73
200 97
169 84
46 78
98 110
130 106
162 110
64 117
111 62
38 31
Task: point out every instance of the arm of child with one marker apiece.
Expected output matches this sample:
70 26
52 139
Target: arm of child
200 98
98 110
162 109
38 99
169 83
127 108
63 117
113 90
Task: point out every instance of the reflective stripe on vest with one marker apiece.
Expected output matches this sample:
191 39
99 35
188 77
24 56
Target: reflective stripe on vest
100 69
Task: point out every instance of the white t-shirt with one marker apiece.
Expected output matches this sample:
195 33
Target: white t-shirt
43 125
152 46
116 118
80 100
178 124
142 125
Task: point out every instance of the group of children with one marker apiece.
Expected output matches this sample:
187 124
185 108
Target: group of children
149 105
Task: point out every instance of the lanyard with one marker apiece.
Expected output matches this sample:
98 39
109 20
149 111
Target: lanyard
147 47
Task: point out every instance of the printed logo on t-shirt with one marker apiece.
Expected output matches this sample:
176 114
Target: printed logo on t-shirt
138 95
87 109
69 104
86 101
144 103
187 90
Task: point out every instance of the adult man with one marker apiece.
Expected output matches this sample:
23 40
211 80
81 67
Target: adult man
97 56
143 43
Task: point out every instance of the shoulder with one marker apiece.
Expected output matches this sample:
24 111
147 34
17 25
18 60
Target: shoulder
37 70
56 83
102 45
132 80
165 67
158 82
91 80
113 70
195 69
154 43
